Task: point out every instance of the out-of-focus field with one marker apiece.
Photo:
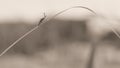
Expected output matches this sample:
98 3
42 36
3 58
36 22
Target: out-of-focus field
74 56
58 44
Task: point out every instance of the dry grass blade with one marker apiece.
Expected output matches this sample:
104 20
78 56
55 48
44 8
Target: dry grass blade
18 40
41 22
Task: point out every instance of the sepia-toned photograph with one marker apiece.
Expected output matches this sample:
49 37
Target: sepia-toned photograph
59 34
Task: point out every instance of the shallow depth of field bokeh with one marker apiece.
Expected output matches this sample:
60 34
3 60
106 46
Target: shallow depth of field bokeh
59 43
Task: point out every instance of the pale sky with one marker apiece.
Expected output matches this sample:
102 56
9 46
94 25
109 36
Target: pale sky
32 9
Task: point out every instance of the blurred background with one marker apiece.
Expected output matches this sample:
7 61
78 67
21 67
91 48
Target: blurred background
74 39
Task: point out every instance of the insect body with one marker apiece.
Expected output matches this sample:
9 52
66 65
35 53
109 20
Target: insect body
41 20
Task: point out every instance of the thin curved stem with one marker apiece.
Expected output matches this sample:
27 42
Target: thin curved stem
42 22
19 39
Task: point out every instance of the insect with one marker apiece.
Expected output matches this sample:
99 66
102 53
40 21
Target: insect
41 20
